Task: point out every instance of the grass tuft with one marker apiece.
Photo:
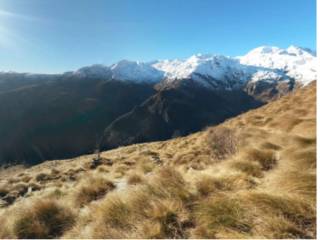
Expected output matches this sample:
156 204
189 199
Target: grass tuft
134 178
92 189
220 213
250 168
266 158
45 219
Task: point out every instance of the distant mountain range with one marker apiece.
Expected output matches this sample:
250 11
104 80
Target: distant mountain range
263 63
63 115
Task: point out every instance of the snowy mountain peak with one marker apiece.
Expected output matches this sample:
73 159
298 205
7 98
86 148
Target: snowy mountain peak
291 50
264 50
96 70
298 63
135 71
300 51
200 64
263 63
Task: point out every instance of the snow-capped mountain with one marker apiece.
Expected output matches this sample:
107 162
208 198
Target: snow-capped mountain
261 64
96 70
297 63
136 71
215 66
124 70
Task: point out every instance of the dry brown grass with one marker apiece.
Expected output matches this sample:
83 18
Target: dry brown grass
153 209
298 183
295 210
207 185
4 190
44 219
248 167
146 165
42 177
166 219
303 141
220 214
134 178
20 188
270 146
94 188
103 169
266 158
263 186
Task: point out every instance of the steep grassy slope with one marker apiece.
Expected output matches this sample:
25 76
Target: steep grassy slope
254 176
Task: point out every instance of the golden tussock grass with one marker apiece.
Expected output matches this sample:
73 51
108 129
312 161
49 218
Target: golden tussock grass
218 214
44 219
94 188
248 167
207 185
146 165
4 190
103 169
301 214
266 158
270 146
298 183
253 176
153 209
134 178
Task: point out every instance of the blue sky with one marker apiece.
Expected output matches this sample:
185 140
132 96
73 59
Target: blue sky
60 35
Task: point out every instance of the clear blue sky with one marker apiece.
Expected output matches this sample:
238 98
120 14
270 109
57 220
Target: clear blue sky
61 35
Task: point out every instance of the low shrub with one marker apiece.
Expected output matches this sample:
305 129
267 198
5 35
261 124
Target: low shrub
222 141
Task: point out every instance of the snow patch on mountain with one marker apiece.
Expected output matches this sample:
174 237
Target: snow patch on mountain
268 75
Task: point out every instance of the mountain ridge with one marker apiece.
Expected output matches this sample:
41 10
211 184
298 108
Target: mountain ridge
261 63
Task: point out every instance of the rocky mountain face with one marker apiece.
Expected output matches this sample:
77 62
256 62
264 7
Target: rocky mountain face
58 116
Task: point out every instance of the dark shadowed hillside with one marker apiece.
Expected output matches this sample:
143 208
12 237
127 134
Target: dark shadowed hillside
176 112
61 118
